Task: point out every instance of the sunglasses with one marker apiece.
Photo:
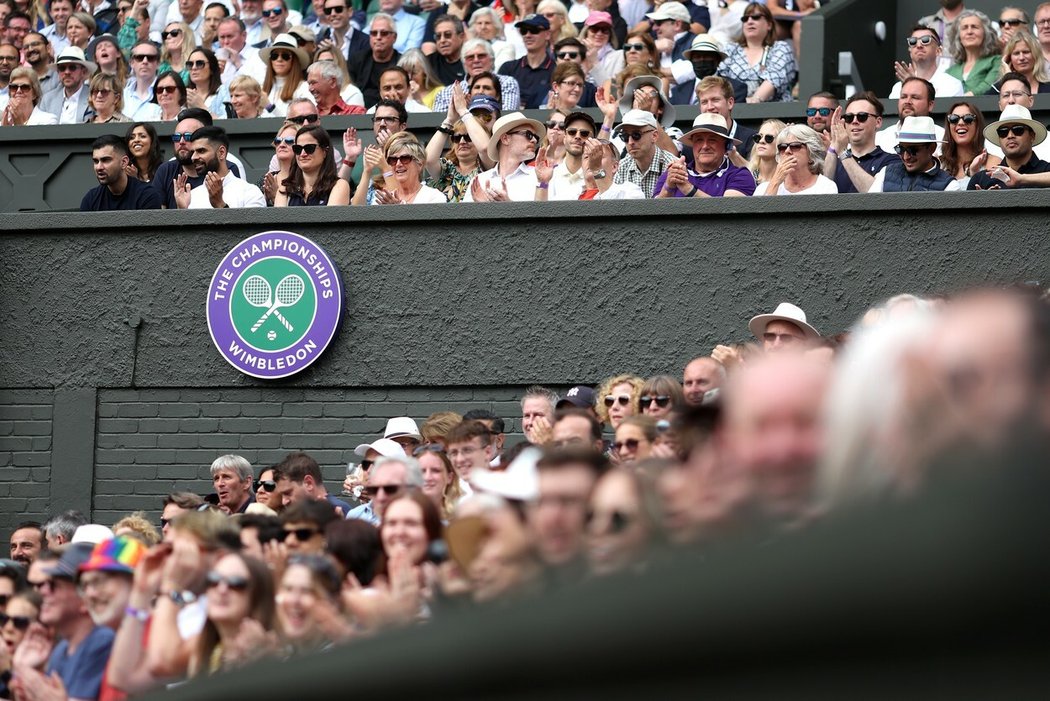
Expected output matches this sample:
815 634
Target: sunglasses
622 399
634 47
335 10
582 133
554 125
181 136
387 489
68 66
568 55
911 150
1016 130
275 12
301 534
101 92
756 17
165 89
964 118
404 159
530 30
662 400
630 444
861 117
925 40
366 465
196 64
304 119
763 138
461 138
615 521
172 33
634 135
19 622
268 485
529 135
308 149
480 57
444 35
287 141
19 87
380 33
600 29
1011 22
149 58
814 111
233 582
281 56
794 146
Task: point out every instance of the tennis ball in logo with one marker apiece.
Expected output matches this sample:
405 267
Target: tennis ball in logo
274 304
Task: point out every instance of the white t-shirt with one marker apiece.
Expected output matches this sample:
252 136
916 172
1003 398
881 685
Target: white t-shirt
235 193
823 186
429 195
944 85
621 191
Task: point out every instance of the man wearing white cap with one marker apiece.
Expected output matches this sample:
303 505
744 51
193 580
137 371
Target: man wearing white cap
785 328
715 175
70 102
1017 134
645 161
514 141
670 22
918 169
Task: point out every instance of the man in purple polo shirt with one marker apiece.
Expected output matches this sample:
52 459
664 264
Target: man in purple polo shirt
715 175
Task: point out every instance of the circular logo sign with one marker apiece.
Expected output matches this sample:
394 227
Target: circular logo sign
274 304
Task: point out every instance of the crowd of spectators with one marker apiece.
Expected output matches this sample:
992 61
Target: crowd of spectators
760 440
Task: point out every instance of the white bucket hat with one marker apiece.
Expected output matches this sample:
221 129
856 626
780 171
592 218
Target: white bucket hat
401 426
1016 114
784 312
918 130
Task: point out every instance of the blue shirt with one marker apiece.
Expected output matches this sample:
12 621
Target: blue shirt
409 29
81 672
364 513
535 83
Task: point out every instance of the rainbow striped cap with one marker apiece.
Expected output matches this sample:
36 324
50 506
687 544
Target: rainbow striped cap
119 554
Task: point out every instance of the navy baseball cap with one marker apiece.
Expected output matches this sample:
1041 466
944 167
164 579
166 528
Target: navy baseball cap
484 102
579 396
534 20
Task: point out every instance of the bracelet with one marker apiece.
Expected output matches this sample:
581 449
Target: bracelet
347 162
693 193
445 130
543 186
605 127
831 149
140 615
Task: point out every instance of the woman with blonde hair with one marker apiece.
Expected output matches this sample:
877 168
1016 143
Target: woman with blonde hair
400 163
23 89
246 97
423 82
440 481
558 16
1023 54
437 426
618 398
177 41
764 153
107 99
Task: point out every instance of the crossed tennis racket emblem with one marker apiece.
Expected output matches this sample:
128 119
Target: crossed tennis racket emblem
258 292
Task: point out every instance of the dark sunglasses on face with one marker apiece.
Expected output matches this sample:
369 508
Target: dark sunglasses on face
461 138
634 47
925 40
568 55
861 117
530 136
281 56
554 125
630 444
275 12
181 136
366 465
814 111
301 534
582 133
794 146
964 118
404 159
756 17
388 489
233 582
19 87
615 521
196 64
335 9
912 149
101 92
63 67
172 33
634 135
165 89
1016 130
380 33
661 400
19 622
1011 22
267 485
308 149
622 399
530 30
304 119
763 138
150 58
287 141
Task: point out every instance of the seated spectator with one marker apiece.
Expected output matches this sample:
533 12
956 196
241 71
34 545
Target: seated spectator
452 174
447 59
766 66
964 134
136 525
489 540
401 162
558 515
788 16
620 523
764 153
601 159
479 59
942 22
646 92
108 57
169 92
705 54
634 439
106 99
24 99
440 481
800 162
116 189
177 41
1024 55
714 174
221 188
144 149
423 83
1017 134
246 97
1014 90
853 158
273 181
308 607
304 522
513 144
80 27
312 179
603 59
395 85
715 94
924 49
819 109
485 24
558 16
700 376
618 399
285 73
645 161
21 611
533 70
660 396
918 169
350 93
566 180
1010 20
787 328
205 89
567 86
975 52
638 50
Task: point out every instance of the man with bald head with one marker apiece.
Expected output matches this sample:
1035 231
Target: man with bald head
700 376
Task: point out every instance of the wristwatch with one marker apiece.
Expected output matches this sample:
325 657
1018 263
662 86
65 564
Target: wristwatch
848 153
182 598
599 174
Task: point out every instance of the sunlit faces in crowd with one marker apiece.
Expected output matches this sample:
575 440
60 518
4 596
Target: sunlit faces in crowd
618 399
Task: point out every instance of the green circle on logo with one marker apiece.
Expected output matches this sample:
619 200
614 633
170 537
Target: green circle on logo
274 304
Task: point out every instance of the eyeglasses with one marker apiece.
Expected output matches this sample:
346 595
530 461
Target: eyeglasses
19 87
568 55
387 120
814 111
760 138
1011 22
964 118
68 66
622 399
178 136
554 125
480 57
794 146
753 17
19 622
614 521
582 133
444 35
287 141
267 485
149 58
387 489
861 117
275 12
102 92
662 400
635 135
630 444
172 33
572 83
634 47
1016 130
281 56
165 89
925 40
524 31
233 582
1015 94
1045 22
529 135
461 138
308 149
404 159
8 58
301 534
380 33
304 119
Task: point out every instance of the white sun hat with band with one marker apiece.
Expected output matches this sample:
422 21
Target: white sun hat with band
710 123
1015 114
785 311
918 130
508 122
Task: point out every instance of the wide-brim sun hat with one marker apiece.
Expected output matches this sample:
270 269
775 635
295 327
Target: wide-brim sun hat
73 54
1016 114
627 101
784 312
401 426
710 123
705 43
507 123
289 43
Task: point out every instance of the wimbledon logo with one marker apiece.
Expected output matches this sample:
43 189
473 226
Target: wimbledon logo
274 304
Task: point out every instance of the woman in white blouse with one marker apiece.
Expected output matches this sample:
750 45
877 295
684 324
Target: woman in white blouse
800 162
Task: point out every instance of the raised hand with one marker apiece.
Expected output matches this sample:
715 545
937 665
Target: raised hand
269 186
213 182
182 191
373 157
544 168
458 106
351 145
606 104
839 135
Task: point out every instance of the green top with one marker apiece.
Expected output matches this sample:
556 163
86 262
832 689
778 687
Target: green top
985 72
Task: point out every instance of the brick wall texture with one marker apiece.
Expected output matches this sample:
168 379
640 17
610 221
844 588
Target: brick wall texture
25 456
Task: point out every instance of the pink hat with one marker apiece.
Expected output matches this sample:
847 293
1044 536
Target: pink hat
596 17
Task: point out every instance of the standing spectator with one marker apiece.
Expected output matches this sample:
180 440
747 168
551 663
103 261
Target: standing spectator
764 153
924 49
24 100
767 66
714 174
1017 134
116 189
853 158
533 70
975 52
917 169
512 146
800 163
367 66
70 104
285 72
645 161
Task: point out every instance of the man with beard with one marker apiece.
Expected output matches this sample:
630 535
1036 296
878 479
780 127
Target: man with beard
566 179
190 120
26 542
105 579
8 62
915 100
447 60
220 189
645 161
1017 134
918 169
38 56
819 109
110 158
70 103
